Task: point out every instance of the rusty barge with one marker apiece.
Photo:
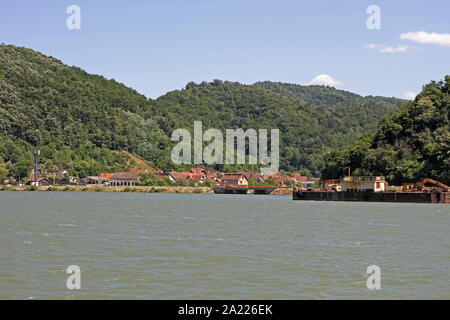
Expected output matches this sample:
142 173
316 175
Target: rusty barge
369 196
374 189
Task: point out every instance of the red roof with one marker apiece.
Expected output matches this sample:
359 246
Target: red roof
232 176
125 176
195 176
179 175
280 178
211 175
254 175
105 175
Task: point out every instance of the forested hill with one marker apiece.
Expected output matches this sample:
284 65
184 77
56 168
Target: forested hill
325 96
412 145
338 103
73 117
76 118
307 131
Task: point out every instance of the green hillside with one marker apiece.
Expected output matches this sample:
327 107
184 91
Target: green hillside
76 119
324 96
73 117
412 145
361 111
307 131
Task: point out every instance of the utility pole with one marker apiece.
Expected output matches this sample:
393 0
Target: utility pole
36 154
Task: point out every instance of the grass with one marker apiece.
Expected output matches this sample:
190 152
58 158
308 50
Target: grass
198 190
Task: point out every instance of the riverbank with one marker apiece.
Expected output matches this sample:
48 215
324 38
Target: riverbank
142 189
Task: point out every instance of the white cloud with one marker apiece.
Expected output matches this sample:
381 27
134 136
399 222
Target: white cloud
440 39
410 95
324 80
386 49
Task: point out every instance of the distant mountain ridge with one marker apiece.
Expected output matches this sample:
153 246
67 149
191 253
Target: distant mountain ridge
322 96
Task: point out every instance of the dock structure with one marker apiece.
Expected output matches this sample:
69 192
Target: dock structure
374 189
244 189
369 196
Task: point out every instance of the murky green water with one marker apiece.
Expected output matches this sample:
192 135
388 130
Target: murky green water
175 246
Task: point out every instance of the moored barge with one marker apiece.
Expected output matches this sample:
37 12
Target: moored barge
370 196
374 189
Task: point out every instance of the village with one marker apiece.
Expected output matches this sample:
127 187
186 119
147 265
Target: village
194 177
200 180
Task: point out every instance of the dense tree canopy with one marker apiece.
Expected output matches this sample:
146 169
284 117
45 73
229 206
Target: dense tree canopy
306 131
412 145
77 119
74 118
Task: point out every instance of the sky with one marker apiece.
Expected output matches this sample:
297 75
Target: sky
160 46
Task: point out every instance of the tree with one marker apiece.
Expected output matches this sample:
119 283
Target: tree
21 170
193 183
409 146
76 119
3 171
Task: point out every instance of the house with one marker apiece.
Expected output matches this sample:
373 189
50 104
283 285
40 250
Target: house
124 179
179 175
281 179
234 179
41 182
278 180
196 176
165 175
211 175
255 175
276 177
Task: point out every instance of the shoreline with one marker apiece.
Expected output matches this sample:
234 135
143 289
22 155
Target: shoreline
135 189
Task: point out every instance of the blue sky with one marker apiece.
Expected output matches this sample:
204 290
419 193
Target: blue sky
159 46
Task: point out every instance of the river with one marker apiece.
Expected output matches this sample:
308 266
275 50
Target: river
206 246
